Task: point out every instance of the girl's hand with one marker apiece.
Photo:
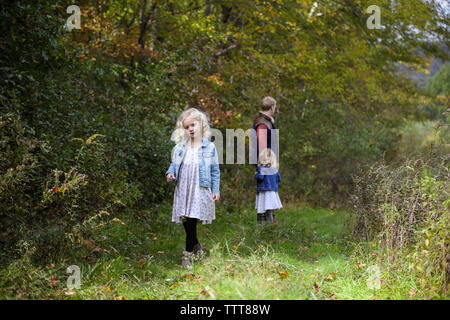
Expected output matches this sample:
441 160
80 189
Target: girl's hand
216 196
170 177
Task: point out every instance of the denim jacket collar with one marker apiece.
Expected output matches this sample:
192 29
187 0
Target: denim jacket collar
205 142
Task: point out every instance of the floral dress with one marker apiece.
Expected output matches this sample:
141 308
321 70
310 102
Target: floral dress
190 200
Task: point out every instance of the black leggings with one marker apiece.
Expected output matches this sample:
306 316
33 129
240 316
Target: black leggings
190 226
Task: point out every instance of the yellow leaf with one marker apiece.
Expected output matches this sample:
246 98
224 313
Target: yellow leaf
189 276
118 220
91 138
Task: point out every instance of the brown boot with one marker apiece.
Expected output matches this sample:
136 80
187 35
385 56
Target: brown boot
198 250
186 260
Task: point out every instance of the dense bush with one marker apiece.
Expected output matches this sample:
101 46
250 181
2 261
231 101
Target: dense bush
70 158
320 150
405 206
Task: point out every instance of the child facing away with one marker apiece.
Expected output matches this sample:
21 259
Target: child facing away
195 169
267 178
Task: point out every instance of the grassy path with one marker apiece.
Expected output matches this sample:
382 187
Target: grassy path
304 257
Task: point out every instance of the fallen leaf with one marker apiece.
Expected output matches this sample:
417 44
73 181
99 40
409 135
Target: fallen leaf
88 243
53 283
316 287
283 275
385 283
107 288
189 276
333 297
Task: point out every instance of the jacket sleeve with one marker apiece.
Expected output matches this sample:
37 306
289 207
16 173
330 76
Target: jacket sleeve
215 173
278 176
261 133
258 175
172 164
171 169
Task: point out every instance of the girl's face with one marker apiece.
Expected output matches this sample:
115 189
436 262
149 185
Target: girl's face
192 127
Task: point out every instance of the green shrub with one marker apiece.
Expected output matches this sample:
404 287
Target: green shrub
405 206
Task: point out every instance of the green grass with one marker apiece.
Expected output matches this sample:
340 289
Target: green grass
307 256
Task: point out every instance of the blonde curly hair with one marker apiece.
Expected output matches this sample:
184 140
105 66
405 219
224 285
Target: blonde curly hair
180 134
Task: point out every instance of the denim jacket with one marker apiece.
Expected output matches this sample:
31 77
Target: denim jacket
209 172
267 179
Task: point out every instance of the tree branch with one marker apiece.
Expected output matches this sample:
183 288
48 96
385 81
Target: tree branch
231 47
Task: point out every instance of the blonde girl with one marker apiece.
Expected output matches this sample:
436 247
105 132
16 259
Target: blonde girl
195 170
267 177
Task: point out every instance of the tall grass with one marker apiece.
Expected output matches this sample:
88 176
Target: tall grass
307 256
405 207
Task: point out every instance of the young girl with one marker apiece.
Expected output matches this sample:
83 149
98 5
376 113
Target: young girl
267 177
195 168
